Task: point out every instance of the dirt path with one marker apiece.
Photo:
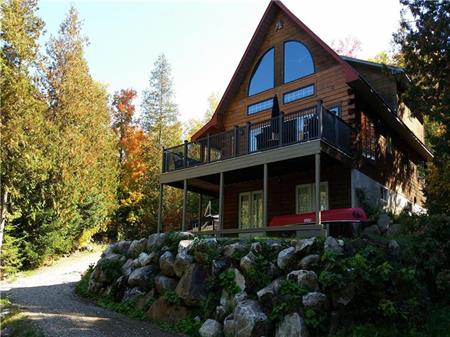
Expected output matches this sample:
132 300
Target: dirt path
47 297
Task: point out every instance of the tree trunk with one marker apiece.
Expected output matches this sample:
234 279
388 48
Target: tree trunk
3 206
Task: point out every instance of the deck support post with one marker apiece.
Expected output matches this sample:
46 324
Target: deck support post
184 219
317 189
200 203
160 207
266 196
221 199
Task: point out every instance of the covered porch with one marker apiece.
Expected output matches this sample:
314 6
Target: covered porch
252 192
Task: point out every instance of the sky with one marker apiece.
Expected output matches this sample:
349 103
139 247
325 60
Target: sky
204 40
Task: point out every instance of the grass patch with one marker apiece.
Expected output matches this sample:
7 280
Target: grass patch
15 323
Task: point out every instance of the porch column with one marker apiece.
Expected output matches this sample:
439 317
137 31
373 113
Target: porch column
221 194
184 219
266 196
200 202
317 186
160 207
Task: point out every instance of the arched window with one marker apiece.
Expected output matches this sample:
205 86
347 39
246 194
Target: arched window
263 75
298 61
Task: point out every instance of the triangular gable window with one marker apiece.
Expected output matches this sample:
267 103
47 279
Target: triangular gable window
263 75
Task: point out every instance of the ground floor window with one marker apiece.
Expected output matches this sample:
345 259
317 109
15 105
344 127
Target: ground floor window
251 209
306 200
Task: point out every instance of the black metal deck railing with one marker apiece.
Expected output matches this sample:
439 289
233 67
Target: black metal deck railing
297 127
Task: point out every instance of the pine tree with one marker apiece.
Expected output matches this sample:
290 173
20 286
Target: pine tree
160 113
424 46
25 151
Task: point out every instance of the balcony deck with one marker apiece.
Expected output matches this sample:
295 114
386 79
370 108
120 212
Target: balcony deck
277 136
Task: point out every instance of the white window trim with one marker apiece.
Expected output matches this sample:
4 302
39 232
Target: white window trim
313 193
250 195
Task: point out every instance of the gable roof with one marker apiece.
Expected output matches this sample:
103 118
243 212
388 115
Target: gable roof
250 53
352 76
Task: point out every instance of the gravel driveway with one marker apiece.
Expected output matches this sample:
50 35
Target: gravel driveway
47 297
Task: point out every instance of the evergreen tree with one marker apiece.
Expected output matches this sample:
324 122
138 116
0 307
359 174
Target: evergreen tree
160 113
424 41
84 178
25 154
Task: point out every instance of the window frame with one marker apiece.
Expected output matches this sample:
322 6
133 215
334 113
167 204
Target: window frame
312 196
251 195
262 101
255 68
313 85
284 61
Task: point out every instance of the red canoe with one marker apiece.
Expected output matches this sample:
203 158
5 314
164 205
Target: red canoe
332 215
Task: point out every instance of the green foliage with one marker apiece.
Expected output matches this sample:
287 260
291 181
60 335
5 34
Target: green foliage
315 321
423 43
81 287
171 297
227 283
111 269
188 326
290 300
258 277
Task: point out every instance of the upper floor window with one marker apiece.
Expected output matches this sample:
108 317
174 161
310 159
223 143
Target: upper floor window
298 61
263 75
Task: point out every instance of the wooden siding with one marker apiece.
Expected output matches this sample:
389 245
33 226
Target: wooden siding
398 169
282 192
329 79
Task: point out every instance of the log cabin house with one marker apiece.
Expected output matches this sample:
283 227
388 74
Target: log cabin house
300 126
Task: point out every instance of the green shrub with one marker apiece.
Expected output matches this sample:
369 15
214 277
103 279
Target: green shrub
171 297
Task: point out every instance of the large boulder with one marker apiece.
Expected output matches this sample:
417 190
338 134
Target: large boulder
132 294
192 286
267 294
122 247
142 277
247 262
234 249
315 300
184 246
154 241
228 326
144 259
393 248
164 283
286 258
205 250
309 261
211 328
306 279
227 300
332 245
371 231
343 296
136 247
182 262
219 265
166 262
146 300
292 325
127 267
250 320
162 311
305 246
383 222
